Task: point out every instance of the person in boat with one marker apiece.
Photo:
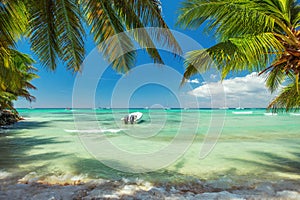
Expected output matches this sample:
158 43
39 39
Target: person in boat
132 118
126 119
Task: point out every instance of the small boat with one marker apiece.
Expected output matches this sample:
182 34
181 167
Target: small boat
224 108
243 112
132 118
270 114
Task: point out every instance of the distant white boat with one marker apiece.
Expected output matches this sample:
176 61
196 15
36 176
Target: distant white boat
132 118
270 114
242 112
224 108
239 108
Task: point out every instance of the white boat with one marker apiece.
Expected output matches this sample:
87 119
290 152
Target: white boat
132 118
270 114
239 108
224 108
243 112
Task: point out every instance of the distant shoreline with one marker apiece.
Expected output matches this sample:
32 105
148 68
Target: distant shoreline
145 108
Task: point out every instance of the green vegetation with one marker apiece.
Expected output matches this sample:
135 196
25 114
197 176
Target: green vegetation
16 70
56 32
253 35
56 29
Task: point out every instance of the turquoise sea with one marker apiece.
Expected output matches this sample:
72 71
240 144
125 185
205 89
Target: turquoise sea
61 146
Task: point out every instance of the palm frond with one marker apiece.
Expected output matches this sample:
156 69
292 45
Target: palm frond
249 52
13 22
295 16
140 34
256 50
107 30
288 99
150 13
227 18
57 32
43 32
70 33
274 79
275 8
15 78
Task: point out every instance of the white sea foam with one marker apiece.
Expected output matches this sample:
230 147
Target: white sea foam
4 174
270 114
242 112
295 114
94 131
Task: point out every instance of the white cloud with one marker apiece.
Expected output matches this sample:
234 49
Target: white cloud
248 91
196 81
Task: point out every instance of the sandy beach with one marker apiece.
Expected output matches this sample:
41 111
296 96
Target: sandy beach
42 157
139 189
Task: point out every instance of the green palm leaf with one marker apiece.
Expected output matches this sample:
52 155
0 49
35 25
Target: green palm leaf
251 35
236 54
288 98
140 34
150 13
43 32
70 33
241 16
295 15
13 21
274 79
15 78
56 31
105 26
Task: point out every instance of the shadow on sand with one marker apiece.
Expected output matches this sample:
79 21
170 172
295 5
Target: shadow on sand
272 162
96 169
16 148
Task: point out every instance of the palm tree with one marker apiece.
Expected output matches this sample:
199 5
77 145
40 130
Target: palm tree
15 76
16 69
56 29
253 35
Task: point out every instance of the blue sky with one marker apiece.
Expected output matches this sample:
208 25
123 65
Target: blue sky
147 85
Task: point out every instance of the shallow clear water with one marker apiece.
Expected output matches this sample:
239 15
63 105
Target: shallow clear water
59 145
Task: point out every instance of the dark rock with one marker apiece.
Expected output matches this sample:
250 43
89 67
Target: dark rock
7 117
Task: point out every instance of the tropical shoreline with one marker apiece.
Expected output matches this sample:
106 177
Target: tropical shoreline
49 162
